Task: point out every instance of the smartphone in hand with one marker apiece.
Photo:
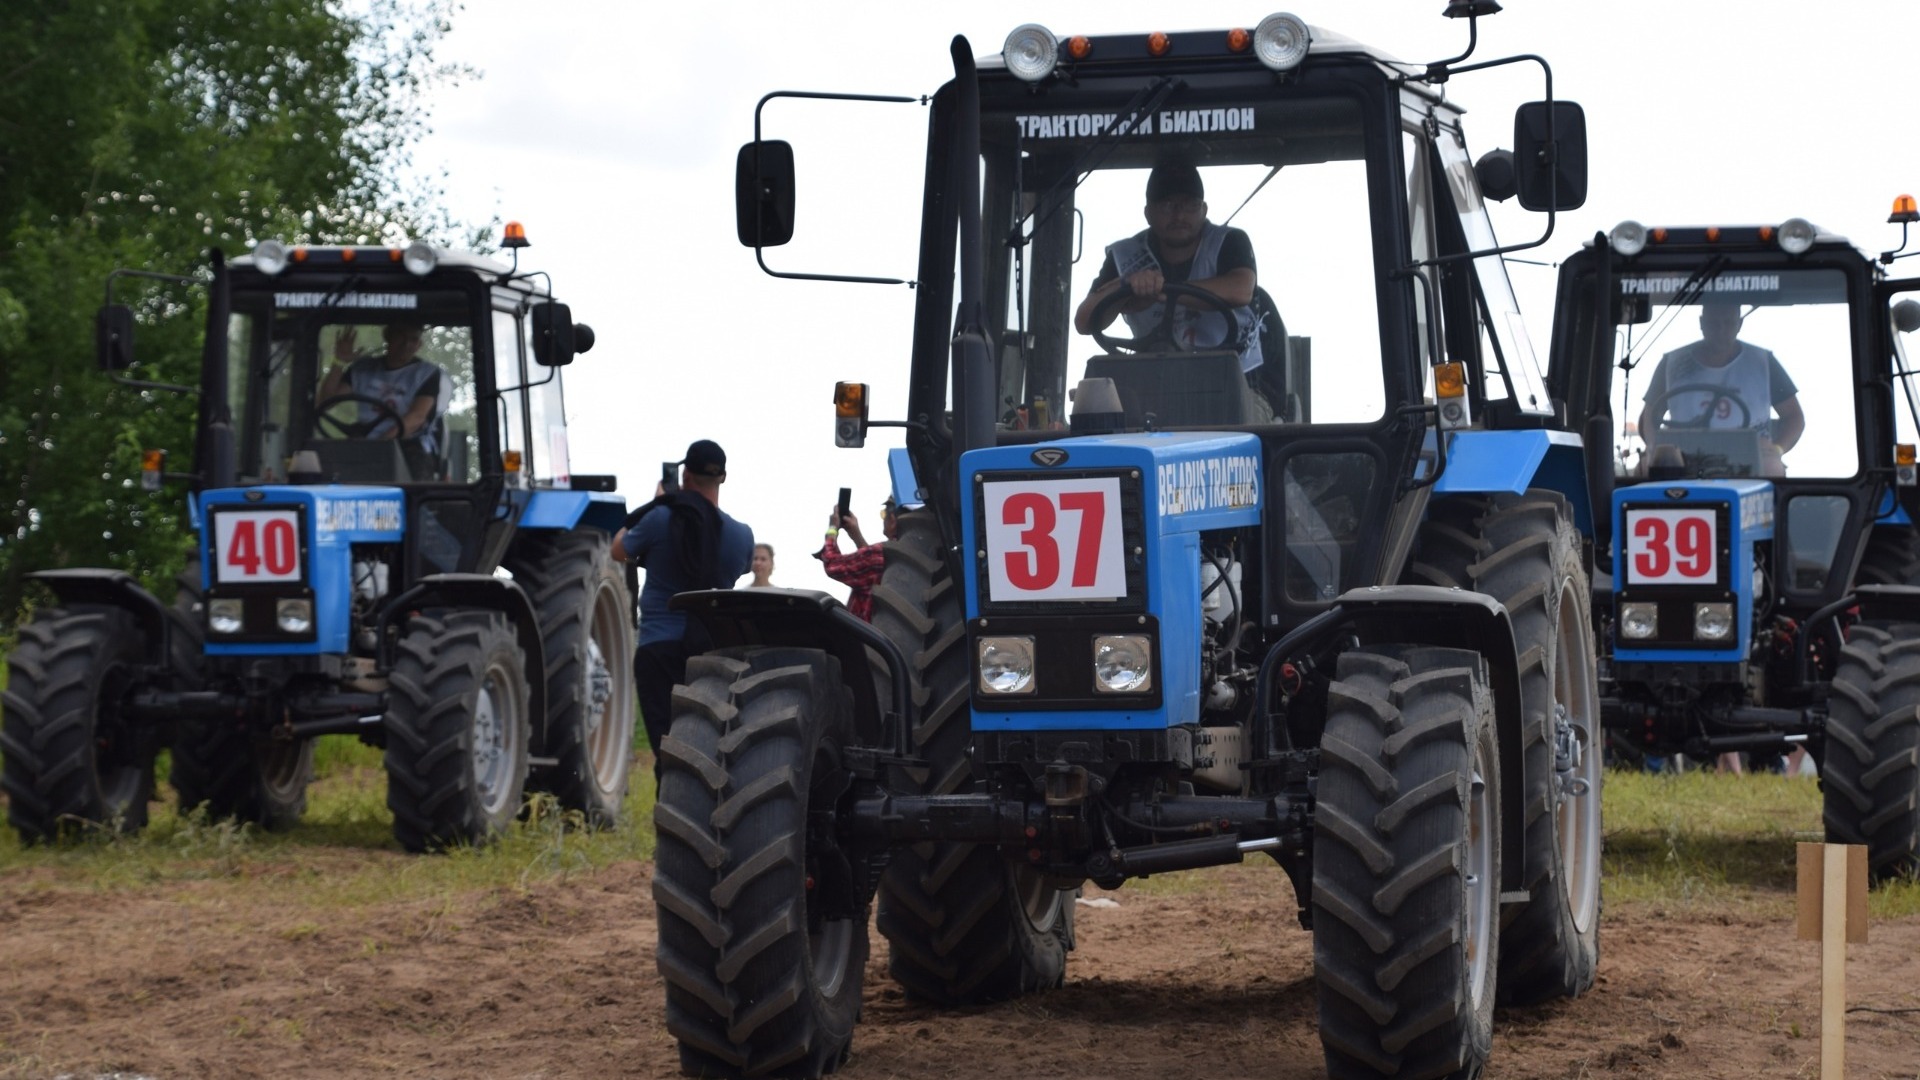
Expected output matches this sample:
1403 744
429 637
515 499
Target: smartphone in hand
669 477
846 502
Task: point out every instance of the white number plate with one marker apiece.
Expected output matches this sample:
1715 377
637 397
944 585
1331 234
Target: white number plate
1672 547
256 546
1055 540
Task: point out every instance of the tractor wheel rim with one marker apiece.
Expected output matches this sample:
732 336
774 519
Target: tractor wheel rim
606 751
1576 719
1481 888
490 749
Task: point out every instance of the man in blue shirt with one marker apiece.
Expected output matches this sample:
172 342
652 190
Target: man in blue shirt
685 542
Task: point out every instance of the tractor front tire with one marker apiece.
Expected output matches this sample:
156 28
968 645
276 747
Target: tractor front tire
1523 551
1870 775
1406 866
457 730
964 924
73 764
763 926
581 597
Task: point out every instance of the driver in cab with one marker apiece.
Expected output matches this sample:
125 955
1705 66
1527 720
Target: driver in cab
409 388
1180 246
1721 383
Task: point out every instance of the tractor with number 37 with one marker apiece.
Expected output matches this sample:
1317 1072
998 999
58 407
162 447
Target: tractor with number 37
1331 609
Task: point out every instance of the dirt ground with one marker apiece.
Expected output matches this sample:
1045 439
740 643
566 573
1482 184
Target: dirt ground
180 981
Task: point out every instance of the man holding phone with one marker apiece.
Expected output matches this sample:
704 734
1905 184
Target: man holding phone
860 569
685 542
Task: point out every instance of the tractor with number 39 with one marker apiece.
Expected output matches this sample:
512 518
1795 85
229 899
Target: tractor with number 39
1761 595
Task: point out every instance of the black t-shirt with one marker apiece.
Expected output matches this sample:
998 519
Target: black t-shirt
1236 253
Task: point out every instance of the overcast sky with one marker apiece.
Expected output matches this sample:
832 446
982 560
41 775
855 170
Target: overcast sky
610 128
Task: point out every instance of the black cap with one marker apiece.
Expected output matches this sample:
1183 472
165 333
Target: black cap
1174 178
705 458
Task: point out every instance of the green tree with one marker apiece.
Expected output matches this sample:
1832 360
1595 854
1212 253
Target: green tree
139 134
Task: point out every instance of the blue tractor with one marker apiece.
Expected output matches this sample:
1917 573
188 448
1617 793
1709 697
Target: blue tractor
1758 384
390 544
1331 609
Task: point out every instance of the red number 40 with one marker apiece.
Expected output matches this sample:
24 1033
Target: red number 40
274 546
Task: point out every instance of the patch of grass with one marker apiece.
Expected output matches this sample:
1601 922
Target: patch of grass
342 855
1705 836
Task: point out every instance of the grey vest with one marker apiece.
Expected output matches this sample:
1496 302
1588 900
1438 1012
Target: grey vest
398 387
1207 328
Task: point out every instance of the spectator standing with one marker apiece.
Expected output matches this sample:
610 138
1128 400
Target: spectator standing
684 542
762 567
860 569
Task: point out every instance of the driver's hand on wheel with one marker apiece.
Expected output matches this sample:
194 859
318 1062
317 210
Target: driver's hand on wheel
1148 284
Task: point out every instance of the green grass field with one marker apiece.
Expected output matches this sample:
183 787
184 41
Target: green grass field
342 855
1692 839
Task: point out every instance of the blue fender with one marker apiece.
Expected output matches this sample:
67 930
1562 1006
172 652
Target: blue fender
1491 462
563 510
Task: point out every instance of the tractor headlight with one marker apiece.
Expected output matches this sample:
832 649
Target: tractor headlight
420 258
1796 235
1629 238
1006 665
1639 620
294 616
1031 52
1712 622
224 616
1281 41
1123 663
270 257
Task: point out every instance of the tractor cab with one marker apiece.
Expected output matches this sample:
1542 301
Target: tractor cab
1739 353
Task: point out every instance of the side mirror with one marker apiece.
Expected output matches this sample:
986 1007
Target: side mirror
1550 175
763 183
553 341
582 338
113 337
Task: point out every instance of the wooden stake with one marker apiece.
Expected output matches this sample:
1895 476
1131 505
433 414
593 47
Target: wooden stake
1833 964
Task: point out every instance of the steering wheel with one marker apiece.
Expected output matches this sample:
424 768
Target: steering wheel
355 429
1162 333
1658 407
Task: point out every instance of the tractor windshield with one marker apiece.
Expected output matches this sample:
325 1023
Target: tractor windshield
1216 261
1733 371
378 385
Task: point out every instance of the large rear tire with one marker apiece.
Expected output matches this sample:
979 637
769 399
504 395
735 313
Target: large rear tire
221 766
457 730
581 597
964 924
763 927
1892 557
1523 551
1406 866
73 764
1870 777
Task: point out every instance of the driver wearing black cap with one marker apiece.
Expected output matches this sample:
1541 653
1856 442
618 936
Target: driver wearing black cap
1180 246
685 542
